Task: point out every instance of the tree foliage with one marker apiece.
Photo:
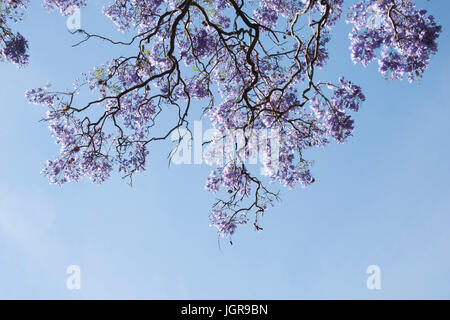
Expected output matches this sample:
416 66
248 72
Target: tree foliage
253 66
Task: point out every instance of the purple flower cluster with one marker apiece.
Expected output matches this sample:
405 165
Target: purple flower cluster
405 36
13 46
226 225
65 6
16 49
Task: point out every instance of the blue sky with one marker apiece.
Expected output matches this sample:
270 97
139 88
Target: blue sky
382 198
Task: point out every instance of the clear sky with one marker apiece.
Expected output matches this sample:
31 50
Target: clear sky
380 199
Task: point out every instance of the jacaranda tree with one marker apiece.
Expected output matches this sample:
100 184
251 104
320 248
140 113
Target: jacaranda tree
251 64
